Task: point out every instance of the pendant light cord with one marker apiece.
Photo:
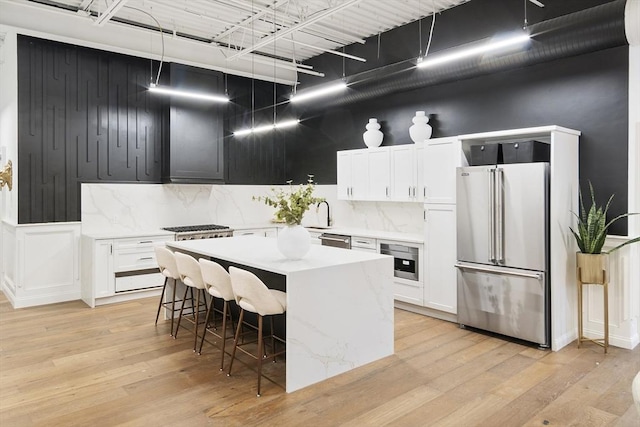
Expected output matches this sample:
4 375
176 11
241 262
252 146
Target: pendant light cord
161 39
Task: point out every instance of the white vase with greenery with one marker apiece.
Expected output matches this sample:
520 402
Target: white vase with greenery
293 240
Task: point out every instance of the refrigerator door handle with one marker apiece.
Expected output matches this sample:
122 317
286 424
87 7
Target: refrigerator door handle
499 216
492 215
488 269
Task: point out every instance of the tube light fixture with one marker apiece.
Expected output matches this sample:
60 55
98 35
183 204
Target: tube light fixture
186 94
477 50
279 125
336 87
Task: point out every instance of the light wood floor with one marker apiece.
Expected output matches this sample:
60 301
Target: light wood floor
67 364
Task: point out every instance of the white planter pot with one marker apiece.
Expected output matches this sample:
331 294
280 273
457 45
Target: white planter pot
294 241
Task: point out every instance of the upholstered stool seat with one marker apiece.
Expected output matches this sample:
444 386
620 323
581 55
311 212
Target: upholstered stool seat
191 276
218 283
252 295
169 269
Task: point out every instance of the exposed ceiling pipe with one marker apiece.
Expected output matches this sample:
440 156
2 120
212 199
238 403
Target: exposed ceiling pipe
586 31
310 21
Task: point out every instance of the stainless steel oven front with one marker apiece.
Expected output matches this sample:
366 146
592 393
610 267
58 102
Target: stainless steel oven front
406 260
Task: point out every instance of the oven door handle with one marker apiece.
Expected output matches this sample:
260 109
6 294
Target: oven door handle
333 239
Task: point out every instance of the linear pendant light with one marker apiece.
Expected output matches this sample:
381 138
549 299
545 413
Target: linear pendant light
326 90
187 94
279 125
472 51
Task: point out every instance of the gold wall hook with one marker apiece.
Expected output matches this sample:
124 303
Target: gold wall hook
6 176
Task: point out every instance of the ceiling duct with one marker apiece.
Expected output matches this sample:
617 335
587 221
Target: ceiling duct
586 31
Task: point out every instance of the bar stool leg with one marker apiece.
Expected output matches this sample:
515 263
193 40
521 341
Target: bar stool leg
161 298
225 311
173 303
206 323
235 340
260 352
184 299
195 323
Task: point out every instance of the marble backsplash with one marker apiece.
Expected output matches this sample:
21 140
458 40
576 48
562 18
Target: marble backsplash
133 208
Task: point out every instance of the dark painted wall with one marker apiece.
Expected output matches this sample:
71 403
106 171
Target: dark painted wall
587 92
256 158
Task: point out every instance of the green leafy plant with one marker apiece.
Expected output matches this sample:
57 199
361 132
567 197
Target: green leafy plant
291 205
592 227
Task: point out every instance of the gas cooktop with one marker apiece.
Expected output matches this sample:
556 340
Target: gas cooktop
192 228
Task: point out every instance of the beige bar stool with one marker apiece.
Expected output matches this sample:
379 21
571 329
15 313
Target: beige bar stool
218 283
169 269
191 276
253 295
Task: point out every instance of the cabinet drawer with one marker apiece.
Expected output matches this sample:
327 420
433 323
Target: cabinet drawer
141 242
132 259
364 243
138 281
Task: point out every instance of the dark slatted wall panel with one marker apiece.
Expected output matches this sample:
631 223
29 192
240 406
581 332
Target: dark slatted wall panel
83 116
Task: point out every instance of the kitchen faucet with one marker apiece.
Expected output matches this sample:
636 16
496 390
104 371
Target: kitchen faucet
328 212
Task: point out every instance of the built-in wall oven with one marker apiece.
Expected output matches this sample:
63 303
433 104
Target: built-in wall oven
406 260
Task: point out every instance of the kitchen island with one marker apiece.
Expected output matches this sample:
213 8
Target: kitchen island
339 302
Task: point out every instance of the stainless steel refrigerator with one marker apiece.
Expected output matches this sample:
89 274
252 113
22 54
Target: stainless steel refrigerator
503 250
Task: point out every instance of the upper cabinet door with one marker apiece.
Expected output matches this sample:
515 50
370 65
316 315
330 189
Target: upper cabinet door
195 128
352 174
404 165
379 175
441 158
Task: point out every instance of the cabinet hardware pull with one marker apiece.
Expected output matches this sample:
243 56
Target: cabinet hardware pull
145 241
386 191
145 258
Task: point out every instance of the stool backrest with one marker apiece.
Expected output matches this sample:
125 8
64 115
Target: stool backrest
252 294
189 270
166 262
216 276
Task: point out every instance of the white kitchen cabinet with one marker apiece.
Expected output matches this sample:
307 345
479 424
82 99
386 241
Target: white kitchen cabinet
103 276
364 244
379 175
353 174
441 158
408 291
406 172
440 291
119 269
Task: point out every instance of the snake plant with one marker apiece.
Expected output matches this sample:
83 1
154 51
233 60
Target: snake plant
592 226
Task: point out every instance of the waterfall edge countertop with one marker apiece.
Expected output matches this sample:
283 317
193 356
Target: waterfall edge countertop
339 303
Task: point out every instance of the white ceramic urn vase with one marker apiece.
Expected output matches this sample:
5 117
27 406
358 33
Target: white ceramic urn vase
294 241
420 129
373 136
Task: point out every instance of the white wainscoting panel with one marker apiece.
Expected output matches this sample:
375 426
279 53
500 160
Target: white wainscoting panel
46 266
623 316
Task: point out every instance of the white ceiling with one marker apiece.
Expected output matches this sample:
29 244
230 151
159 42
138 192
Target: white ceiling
233 32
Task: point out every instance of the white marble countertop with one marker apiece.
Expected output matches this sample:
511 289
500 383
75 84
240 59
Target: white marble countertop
127 234
262 252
